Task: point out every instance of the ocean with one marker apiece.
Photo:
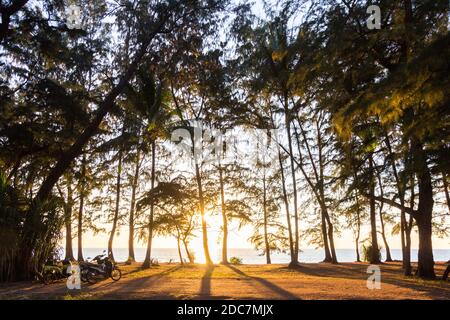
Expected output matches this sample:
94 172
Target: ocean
251 256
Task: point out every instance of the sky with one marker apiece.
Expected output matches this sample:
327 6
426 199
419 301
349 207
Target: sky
238 239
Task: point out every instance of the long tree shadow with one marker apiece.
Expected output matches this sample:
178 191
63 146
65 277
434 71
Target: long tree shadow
278 290
205 288
137 283
390 274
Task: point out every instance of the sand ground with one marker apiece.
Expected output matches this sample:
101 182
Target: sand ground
310 281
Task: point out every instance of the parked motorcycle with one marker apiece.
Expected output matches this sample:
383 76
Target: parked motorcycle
100 267
52 271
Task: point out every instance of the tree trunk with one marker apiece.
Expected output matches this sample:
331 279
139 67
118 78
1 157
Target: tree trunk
383 233
80 211
117 208
68 222
318 188
424 214
446 273
426 260
402 236
326 246
179 248
148 255
331 237
408 228
293 262
407 257
358 230
80 230
447 194
224 218
202 212
374 259
266 237
134 185
294 180
188 253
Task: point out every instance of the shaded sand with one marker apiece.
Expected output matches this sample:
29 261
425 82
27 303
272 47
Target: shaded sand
310 281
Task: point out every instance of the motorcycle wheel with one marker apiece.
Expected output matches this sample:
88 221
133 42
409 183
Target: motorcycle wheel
91 277
46 278
116 274
84 276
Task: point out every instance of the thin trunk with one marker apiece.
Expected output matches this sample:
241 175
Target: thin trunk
188 253
402 237
117 207
321 182
358 226
80 211
68 222
318 190
358 232
286 204
408 228
134 185
266 237
288 216
179 247
447 194
224 218
374 259
294 180
148 255
202 212
406 251
383 233
407 257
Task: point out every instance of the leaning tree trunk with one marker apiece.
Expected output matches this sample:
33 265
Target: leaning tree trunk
116 210
446 273
134 184
188 253
179 247
374 258
383 235
224 218
148 255
68 222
